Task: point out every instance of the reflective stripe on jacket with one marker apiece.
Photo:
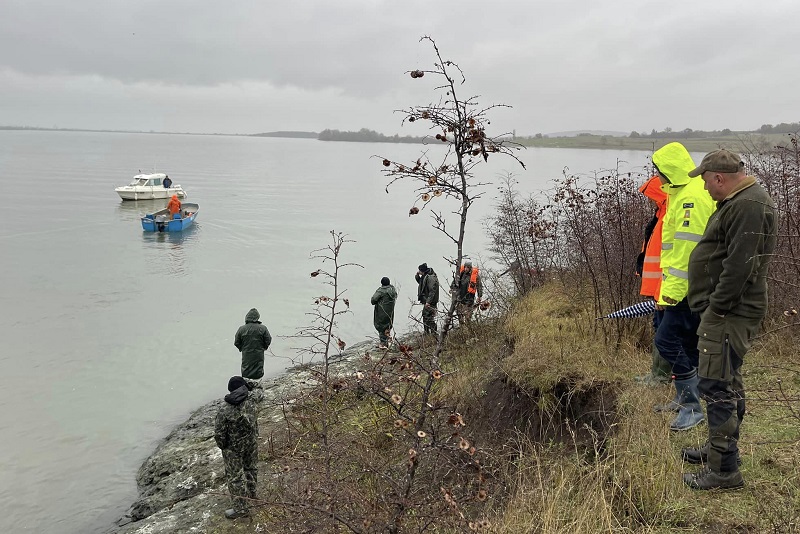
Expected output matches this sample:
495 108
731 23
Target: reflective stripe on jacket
472 288
688 208
651 268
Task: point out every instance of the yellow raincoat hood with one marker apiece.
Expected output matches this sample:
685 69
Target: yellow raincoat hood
674 162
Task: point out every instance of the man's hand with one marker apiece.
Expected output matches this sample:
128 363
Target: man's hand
670 301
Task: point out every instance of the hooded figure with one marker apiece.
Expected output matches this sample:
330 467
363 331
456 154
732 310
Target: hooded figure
648 266
252 339
689 207
383 318
174 205
236 433
467 284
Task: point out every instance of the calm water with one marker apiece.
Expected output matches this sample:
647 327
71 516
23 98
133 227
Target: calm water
111 336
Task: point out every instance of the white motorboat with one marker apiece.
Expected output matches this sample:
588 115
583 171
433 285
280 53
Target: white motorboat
150 186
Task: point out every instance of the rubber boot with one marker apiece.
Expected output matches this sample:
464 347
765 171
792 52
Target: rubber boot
660 371
691 411
672 406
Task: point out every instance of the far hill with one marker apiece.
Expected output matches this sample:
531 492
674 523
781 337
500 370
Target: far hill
303 135
576 133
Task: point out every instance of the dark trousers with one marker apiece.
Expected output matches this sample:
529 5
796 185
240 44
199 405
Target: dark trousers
429 319
723 343
676 338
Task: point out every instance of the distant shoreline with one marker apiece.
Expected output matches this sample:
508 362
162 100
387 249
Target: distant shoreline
737 141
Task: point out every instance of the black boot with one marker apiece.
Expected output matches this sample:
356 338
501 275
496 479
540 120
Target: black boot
706 479
696 456
230 513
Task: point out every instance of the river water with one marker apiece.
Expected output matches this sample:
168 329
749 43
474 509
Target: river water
111 336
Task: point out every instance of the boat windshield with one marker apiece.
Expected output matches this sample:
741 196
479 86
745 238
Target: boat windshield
140 181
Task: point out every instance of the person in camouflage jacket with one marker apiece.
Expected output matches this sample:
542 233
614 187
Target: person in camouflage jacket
236 433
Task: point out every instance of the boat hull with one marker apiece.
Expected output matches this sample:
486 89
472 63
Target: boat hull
160 221
148 193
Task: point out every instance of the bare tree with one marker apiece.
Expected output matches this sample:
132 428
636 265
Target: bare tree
460 124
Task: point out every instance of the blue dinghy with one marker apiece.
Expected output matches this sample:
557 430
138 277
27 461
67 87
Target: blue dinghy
160 221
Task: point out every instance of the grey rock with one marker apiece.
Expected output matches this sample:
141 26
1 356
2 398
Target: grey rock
182 484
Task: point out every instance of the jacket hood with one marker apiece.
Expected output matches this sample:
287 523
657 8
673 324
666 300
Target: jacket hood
390 290
652 190
237 396
252 316
674 161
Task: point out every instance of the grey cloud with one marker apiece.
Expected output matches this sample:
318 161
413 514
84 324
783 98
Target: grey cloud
314 64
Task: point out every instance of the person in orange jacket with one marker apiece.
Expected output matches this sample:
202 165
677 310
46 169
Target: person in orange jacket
468 285
174 206
648 266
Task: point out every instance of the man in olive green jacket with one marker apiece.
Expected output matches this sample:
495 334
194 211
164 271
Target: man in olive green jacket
728 287
252 339
428 296
383 318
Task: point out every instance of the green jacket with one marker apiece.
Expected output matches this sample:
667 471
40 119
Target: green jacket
688 208
728 268
384 300
252 339
428 290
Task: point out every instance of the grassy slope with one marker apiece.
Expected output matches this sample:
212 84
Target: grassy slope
635 484
574 444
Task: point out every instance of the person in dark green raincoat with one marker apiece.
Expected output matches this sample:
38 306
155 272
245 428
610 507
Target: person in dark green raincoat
252 339
384 300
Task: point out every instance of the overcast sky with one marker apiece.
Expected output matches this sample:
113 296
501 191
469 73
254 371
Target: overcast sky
256 66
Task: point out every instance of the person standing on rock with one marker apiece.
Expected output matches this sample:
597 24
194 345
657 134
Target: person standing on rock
428 296
236 433
252 339
384 300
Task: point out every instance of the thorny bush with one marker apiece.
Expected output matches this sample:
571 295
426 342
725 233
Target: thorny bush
428 472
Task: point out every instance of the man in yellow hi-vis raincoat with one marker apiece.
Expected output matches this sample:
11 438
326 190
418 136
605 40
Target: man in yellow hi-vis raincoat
688 208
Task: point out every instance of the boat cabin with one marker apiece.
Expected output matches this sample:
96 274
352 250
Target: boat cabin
148 180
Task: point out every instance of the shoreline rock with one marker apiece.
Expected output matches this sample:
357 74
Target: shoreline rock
182 483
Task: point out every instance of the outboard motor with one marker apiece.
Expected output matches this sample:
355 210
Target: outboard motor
161 223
